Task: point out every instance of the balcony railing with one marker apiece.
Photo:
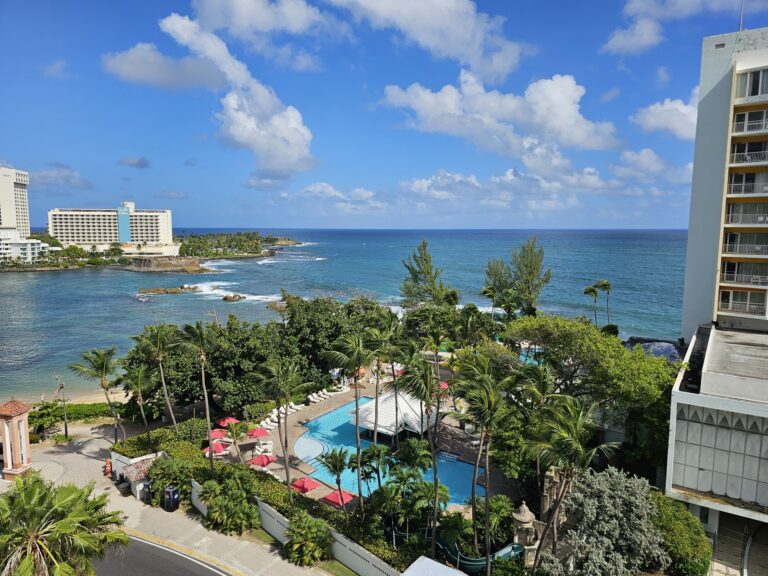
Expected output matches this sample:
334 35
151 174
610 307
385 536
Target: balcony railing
759 249
744 279
752 188
743 308
751 126
746 219
749 157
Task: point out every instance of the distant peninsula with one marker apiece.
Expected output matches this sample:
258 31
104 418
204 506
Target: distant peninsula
231 245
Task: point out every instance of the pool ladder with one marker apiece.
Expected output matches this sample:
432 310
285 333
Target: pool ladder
450 457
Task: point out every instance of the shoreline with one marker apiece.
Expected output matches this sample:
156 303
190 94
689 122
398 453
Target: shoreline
75 396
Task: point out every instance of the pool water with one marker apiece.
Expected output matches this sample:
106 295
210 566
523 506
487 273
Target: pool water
334 430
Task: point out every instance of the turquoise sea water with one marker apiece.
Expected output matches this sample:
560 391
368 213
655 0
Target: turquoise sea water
48 318
334 430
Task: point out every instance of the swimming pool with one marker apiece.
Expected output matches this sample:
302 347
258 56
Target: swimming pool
333 430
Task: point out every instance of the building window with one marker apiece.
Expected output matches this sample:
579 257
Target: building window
752 83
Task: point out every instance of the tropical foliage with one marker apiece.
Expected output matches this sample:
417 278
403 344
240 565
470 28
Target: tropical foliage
309 539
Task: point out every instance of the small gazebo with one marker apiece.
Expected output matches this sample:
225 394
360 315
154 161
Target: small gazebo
14 436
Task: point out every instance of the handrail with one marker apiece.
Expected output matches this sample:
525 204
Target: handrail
743 308
746 219
751 126
746 279
761 249
748 188
749 157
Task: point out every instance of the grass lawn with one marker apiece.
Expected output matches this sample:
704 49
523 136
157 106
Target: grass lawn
336 568
261 535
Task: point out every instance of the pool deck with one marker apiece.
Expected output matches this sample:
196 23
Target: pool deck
452 439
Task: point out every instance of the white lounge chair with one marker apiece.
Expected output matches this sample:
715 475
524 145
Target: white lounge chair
296 407
324 393
314 398
289 410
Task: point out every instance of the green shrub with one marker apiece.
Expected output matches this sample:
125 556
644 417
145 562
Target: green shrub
166 472
61 439
194 430
34 438
48 414
684 537
309 539
508 567
259 410
185 451
229 501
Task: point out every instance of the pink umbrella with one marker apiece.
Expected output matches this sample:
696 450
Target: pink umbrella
224 422
305 484
217 447
219 433
262 460
335 500
443 385
258 433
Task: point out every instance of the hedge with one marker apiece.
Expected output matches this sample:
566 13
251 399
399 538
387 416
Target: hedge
49 414
193 431
684 537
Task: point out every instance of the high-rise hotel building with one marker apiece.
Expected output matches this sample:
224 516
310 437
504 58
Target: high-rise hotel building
86 227
717 460
14 203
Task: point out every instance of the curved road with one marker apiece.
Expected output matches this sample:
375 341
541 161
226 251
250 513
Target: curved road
143 558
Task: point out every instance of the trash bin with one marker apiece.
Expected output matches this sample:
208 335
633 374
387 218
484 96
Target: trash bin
171 499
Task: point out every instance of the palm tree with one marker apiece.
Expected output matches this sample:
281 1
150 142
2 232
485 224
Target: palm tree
414 453
351 354
138 381
605 286
157 340
490 293
335 463
47 529
379 346
563 442
420 382
592 291
100 364
391 332
404 478
281 380
367 468
236 431
454 528
380 459
196 337
389 499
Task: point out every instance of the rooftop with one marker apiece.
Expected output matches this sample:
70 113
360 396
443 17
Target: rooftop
14 408
736 365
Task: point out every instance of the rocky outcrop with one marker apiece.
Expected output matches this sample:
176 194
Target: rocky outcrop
233 298
172 290
185 264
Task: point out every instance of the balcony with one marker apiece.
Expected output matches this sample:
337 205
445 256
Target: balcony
742 308
749 157
747 249
758 219
750 126
745 189
744 279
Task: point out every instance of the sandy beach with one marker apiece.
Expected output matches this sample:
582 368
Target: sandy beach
82 396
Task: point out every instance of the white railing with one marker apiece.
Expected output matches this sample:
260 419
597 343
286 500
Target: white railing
743 308
751 188
746 219
745 279
761 249
751 126
749 157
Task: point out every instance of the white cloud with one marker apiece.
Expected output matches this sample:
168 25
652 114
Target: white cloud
356 201
144 64
646 166
257 21
553 171
57 175
444 185
610 95
452 29
662 76
671 115
549 108
252 115
641 35
58 69
645 30
134 162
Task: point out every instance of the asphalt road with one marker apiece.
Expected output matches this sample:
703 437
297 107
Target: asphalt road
143 559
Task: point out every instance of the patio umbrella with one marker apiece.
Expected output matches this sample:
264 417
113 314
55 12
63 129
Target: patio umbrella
262 460
224 422
335 500
217 447
305 484
258 433
219 433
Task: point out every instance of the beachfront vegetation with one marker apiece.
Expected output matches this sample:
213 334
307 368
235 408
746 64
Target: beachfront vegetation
309 539
226 245
684 538
528 388
47 529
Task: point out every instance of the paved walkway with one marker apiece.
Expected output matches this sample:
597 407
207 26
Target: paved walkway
82 461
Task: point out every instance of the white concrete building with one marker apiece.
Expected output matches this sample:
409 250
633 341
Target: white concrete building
26 250
148 232
14 203
717 458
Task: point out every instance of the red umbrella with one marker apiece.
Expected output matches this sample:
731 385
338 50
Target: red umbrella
334 500
305 484
217 447
443 385
224 422
258 433
219 433
262 460
400 372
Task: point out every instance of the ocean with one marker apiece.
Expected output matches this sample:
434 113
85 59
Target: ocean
49 318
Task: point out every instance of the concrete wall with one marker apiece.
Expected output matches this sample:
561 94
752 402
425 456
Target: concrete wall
195 498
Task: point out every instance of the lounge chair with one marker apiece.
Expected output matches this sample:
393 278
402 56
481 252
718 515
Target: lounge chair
324 394
296 407
314 398
287 409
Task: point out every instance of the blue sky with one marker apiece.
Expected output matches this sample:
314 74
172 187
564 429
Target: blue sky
361 113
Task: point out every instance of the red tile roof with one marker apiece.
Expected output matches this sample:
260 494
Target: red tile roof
138 470
14 408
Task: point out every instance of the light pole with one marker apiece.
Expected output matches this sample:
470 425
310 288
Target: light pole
60 388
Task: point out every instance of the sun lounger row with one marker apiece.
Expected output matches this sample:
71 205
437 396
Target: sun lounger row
316 397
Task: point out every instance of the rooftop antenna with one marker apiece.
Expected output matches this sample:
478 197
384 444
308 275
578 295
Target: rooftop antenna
741 15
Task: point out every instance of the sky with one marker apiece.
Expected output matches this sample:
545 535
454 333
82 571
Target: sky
360 113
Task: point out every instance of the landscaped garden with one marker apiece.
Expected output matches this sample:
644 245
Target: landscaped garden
526 391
